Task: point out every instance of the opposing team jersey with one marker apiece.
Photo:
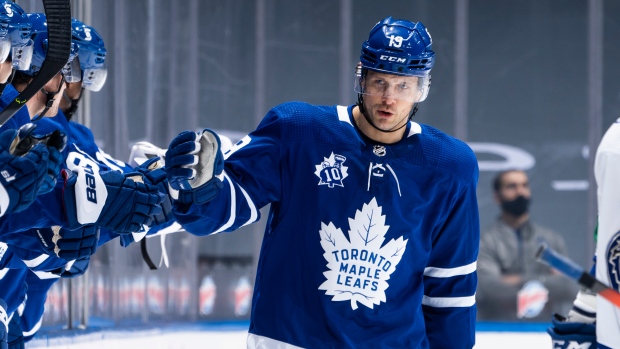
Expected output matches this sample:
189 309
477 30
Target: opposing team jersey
367 245
607 173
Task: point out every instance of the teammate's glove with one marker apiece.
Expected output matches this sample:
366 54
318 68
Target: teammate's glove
120 202
193 162
21 176
73 268
55 138
4 325
69 244
566 335
153 171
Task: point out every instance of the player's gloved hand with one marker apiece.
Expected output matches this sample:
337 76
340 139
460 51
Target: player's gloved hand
21 175
4 325
74 268
193 162
152 169
566 334
54 137
69 244
121 202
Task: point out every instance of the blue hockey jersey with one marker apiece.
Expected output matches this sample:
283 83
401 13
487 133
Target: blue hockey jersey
367 245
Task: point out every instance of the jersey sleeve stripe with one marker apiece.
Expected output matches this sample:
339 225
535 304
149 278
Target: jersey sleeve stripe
43 275
449 302
450 272
34 329
253 211
233 205
33 263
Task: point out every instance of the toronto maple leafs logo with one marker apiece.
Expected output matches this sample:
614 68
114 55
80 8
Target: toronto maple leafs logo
359 267
332 171
613 261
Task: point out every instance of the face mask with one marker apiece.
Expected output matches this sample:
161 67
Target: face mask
516 207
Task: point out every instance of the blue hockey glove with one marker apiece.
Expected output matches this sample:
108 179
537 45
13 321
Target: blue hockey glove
153 171
566 335
4 325
54 137
74 268
69 244
21 176
119 202
193 162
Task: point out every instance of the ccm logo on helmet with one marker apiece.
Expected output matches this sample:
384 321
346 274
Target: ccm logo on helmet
392 59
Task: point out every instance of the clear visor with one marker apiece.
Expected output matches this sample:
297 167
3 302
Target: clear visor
71 71
94 79
5 48
412 89
21 56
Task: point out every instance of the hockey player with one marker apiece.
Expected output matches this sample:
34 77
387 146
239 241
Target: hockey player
44 273
373 231
593 319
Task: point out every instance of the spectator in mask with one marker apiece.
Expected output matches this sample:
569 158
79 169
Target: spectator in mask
512 284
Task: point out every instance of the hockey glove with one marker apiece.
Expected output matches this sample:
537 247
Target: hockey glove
69 244
566 335
153 171
22 176
4 325
119 202
54 137
193 162
73 268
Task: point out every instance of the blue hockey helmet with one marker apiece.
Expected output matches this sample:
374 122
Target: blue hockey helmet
91 55
15 35
71 71
398 47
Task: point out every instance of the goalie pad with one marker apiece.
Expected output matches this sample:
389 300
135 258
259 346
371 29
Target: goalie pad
193 163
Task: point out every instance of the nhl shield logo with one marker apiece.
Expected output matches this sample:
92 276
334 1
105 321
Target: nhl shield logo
613 261
332 171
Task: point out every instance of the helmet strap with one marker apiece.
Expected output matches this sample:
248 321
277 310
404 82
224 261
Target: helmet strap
8 81
50 98
74 105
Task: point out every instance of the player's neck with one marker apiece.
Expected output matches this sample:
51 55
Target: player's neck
515 222
371 132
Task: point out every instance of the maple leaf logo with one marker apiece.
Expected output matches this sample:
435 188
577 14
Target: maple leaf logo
359 267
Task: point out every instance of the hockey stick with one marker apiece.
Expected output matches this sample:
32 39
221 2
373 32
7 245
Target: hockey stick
58 15
572 270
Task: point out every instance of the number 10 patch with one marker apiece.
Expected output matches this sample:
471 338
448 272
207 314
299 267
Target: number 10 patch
332 171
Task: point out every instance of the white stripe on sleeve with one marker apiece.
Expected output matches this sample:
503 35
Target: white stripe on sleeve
449 302
449 272
233 206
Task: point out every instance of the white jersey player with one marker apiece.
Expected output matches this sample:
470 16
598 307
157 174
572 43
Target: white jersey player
607 173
